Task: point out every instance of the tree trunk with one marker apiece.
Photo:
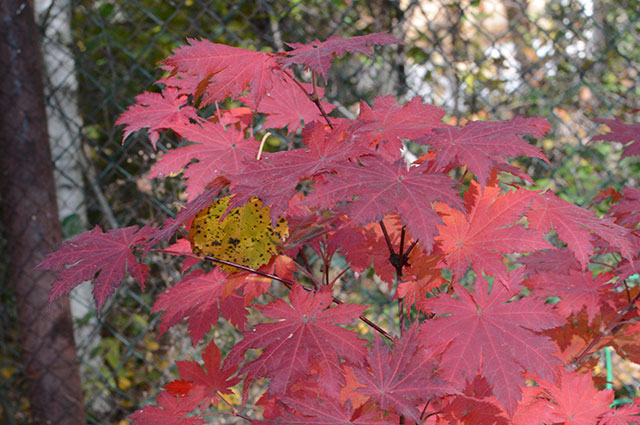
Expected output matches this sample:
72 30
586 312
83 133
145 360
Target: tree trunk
30 218
64 124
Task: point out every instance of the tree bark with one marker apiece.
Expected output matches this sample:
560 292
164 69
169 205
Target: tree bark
30 218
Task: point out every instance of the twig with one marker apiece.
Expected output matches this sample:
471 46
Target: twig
288 283
326 275
325 266
626 288
316 99
316 284
335 279
461 179
305 259
233 409
312 97
602 264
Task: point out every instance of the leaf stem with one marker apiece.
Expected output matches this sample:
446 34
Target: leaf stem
401 252
264 139
386 238
219 115
413 244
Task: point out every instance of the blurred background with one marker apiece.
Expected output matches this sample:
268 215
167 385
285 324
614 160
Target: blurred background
567 60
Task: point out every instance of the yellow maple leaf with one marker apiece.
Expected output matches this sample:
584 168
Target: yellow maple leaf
245 236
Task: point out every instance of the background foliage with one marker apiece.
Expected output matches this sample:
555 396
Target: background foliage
569 61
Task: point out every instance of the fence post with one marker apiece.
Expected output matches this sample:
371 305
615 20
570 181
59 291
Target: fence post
31 220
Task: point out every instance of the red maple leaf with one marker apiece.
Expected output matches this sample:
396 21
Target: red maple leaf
318 55
212 379
628 134
199 297
534 409
157 112
476 405
627 209
363 246
488 231
574 226
577 290
382 187
274 178
423 274
171 410
286 104
179 387
493 337
104 258
389 122
322 410
623 415
403 378
635 326
219 151
306 332
551 260
484 145
222 71
576 400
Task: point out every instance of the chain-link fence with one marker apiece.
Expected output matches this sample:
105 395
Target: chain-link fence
567 60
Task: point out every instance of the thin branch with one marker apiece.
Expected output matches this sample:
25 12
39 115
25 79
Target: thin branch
316 284
335 279
602 264
234 410
329 261
461 179
325 267
628 291
305 259
312 97
316 99
288 283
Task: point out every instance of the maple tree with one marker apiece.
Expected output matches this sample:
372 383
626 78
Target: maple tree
503 294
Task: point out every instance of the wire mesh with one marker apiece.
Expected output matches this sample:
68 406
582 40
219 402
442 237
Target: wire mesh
568 60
